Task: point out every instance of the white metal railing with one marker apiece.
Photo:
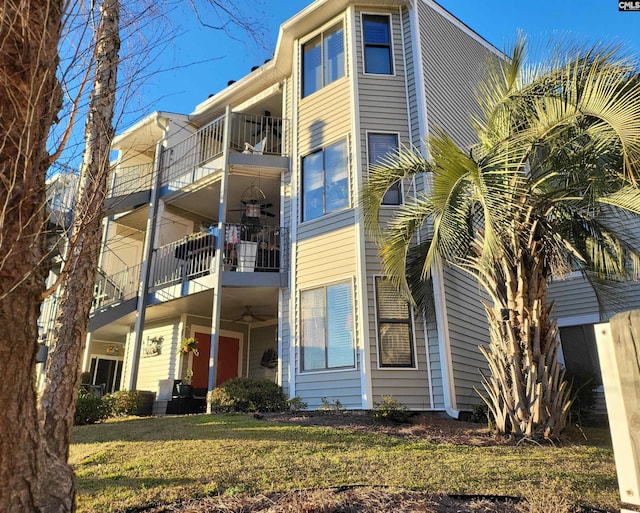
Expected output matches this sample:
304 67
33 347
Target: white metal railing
180 161
184 259
131 179
117 287
247 248
185 162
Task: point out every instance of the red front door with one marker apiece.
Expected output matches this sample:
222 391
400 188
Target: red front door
228 351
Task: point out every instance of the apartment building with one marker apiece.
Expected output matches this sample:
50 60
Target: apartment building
237 224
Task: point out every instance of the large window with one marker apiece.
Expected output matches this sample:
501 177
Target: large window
325 181
322 60
378 146
377 44
327 328
395 336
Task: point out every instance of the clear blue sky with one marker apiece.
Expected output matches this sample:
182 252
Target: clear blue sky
181 89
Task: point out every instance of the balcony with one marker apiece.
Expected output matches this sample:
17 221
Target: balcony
254 141
254 255
130 187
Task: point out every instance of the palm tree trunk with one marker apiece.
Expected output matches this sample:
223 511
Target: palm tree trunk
525 392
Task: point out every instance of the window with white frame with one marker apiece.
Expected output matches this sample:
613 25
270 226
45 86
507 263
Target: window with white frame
379 144
325 181
327 328
376 34
322 60
395 334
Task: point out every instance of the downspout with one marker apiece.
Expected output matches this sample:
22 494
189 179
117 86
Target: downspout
440 304
217 289
145 271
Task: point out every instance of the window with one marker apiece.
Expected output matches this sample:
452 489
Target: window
322 60
379 145
395 337
377 44
325 181
327 328
580 351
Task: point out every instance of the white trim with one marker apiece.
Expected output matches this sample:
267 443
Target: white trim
380 367
578 320
363 47
418 66
363 344
295 217
444 343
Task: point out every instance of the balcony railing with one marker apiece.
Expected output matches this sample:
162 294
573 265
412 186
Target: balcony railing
186 161
115 288
131 179
247 248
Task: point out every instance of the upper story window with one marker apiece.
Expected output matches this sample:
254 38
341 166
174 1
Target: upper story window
327 328
378 57
325 181
322 60
378 146
395 336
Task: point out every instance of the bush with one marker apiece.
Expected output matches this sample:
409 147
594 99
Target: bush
90 409
124 402
389 410
247 395
297 404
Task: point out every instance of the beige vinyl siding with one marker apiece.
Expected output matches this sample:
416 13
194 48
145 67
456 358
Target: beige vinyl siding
453 63
287 340
410 74
343 386
325 258
467 330
573 297
262 339
382 104
154 368
325 116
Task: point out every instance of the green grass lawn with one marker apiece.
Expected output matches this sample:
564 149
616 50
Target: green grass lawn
141 462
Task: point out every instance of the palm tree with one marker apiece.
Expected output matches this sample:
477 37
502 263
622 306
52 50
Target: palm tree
544 192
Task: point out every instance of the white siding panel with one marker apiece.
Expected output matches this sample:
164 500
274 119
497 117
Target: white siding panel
154 368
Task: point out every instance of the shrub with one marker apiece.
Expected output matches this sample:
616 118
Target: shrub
124 402
297 404
247 395
389 410
90 409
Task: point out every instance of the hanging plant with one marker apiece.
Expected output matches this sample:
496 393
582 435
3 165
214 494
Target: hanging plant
189 345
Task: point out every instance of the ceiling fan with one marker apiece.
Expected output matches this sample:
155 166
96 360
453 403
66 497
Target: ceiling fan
255 203
249 317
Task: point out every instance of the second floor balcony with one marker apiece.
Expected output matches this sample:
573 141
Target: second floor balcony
254 255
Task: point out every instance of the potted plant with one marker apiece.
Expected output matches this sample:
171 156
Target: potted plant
189 345
185 389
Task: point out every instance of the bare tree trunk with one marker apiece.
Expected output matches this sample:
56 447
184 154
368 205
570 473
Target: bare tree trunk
30 98
62 379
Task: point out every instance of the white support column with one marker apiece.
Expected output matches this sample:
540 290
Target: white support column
217 289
